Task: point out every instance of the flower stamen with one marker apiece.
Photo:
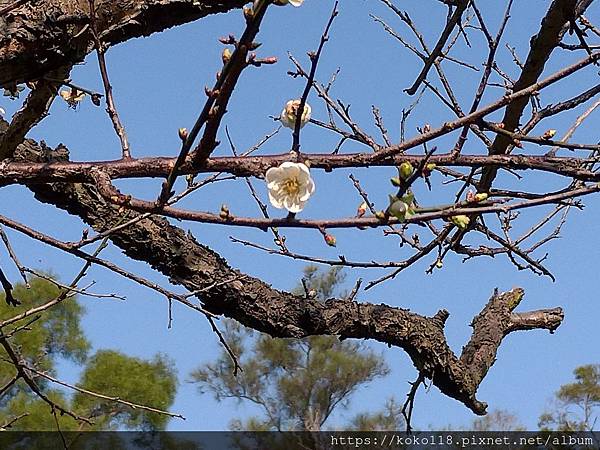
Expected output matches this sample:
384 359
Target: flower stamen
291 186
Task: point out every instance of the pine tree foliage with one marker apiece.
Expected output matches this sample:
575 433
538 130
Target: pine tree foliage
298 384
56 334
576 405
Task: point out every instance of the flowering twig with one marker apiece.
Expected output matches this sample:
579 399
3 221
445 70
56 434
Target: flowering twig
221 91
314 61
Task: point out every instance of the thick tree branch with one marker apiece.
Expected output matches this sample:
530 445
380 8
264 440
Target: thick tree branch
178 255
33 111
44 35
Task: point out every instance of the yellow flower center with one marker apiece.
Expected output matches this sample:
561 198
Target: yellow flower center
292 112
291 186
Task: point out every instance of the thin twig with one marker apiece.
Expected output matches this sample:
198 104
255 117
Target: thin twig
410 401
314 61
102 396
14 257
110 103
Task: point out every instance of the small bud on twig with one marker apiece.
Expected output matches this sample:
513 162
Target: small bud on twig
183 134
362 209
224 213
405 170
226 55
330 239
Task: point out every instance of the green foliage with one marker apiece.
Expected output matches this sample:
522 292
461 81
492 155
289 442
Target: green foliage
497 420
576 404
132 379
39 414
297 383
57 333
389 419
494 420
326 284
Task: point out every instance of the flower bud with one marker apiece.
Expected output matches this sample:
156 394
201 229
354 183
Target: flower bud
189 179
396 181
96 99
428 169
226 55
405 170
481 196
461 221
224 213
380 215
549 134
183 134
362 209
330 239
397 208
290 113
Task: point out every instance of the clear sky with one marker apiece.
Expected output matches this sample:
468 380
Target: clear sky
159 87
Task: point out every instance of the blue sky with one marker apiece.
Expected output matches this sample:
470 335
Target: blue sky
159 87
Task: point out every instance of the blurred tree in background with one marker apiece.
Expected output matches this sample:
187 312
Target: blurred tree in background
56 333
576 405
298 384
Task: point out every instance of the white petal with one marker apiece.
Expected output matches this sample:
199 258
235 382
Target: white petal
306 112
307 191
273 174
285 120
275 200
290 169
273 186
304 169
292 204
311 186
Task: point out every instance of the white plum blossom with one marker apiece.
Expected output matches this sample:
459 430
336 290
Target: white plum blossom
72 96
290 186
290 112
295 3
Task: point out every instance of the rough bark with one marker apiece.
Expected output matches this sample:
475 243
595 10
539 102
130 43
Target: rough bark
254 303
44 35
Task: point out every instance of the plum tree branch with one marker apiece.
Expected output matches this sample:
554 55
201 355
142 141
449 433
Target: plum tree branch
35 40
256 304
